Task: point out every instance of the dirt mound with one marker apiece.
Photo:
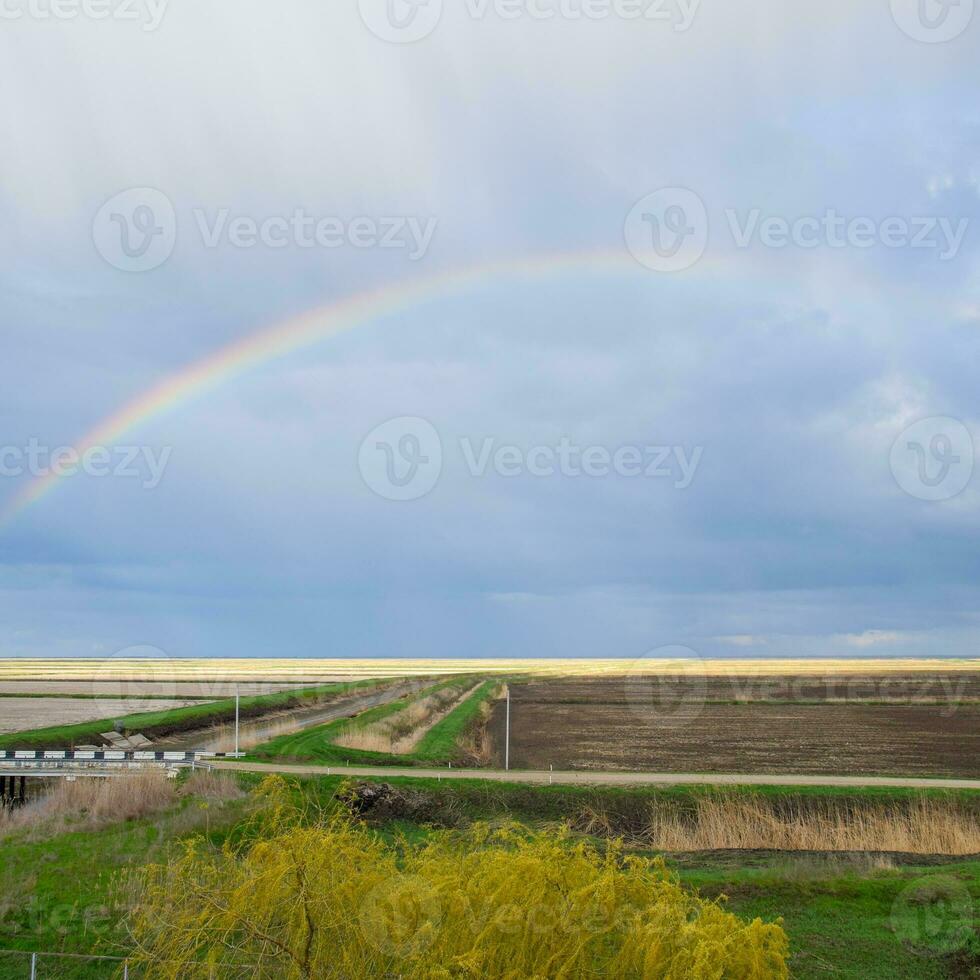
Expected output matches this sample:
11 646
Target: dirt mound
382 801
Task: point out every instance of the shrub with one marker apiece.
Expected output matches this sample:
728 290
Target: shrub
328 898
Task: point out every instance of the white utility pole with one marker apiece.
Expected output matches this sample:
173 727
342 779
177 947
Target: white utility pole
507 734
236 719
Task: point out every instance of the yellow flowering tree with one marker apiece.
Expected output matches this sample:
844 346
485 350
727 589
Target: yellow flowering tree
326 897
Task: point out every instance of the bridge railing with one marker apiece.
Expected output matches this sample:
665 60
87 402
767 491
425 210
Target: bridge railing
109 755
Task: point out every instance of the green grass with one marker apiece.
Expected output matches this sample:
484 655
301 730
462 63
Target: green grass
316 744
486 799
838 911
843 922
59 894
441 742
172 721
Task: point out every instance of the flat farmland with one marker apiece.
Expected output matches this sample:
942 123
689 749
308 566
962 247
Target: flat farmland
287 670
22 714
884 724
148 689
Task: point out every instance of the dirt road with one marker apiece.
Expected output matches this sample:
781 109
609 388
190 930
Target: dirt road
259 730
606 778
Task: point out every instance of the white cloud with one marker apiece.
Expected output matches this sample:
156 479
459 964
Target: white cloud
871 638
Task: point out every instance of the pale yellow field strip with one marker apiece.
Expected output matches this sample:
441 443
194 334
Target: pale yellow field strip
137 688
21 714
319 671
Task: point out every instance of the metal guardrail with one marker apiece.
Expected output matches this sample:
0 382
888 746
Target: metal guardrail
40 763
109 755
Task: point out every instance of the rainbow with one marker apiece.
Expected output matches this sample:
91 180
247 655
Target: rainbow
227 363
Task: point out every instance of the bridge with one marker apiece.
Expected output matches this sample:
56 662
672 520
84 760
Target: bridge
19 765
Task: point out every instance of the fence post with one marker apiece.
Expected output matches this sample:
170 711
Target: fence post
125 969
33 966
507 734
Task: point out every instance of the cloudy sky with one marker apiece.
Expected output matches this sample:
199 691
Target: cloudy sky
665 328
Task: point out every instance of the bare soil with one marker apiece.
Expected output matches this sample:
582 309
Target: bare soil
697 725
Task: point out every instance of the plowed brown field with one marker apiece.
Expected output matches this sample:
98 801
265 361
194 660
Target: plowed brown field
880 725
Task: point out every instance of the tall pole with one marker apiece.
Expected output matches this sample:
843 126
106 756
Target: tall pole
236 719
507 734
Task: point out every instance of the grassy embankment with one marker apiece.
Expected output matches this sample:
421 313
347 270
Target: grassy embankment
160 724
840 912
845 913
439 744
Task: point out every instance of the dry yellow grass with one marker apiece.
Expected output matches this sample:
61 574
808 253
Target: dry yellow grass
213 786
401 732
89 803
924 826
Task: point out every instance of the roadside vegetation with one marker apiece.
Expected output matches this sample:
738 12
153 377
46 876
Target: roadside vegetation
161 724
424 727
696 818
400 732
448 740
329 898
61 857
76 876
